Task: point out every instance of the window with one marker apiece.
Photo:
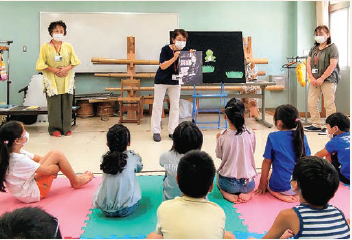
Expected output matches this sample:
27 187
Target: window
339 18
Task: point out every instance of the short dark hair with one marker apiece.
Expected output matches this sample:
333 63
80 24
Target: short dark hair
177 32
53 25
340 120
195 173
187 137
29 222
326 30
317 178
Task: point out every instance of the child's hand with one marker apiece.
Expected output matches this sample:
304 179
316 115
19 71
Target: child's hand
260 190
287 234
218 135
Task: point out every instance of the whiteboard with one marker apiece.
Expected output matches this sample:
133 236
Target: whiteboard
104 34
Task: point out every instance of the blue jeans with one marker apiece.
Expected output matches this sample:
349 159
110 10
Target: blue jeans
124 212
233 185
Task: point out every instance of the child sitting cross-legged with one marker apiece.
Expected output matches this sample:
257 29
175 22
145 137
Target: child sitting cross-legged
315 181
192 216
119 193
337 150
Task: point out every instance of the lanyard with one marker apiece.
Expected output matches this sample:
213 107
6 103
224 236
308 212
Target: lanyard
178 64
58 52
316 57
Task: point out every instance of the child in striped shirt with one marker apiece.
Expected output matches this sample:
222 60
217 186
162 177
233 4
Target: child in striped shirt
315 181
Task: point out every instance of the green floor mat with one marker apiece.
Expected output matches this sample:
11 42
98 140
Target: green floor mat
143 221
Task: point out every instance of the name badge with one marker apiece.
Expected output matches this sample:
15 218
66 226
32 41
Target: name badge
176 77
315 70
58 58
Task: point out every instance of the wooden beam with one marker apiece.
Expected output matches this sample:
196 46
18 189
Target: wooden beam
205 88
97 60
126 75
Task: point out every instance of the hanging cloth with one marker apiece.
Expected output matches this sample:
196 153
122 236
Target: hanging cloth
3 74
301 73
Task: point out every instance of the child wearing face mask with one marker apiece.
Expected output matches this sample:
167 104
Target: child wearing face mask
337 150
28 176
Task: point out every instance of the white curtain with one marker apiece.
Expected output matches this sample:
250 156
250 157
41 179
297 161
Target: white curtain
322 12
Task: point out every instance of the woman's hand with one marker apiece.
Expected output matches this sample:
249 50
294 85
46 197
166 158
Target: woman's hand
60 73
313 81
63 71
319 81
192 50
176 55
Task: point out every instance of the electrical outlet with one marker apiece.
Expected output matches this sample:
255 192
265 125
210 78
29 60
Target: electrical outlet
305 52
24 48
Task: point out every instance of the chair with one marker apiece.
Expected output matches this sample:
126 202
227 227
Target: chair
130 101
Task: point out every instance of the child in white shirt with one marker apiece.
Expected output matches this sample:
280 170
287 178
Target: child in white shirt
28 176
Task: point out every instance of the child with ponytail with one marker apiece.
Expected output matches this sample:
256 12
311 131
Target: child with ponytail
119 192
235 147
28 176
282 150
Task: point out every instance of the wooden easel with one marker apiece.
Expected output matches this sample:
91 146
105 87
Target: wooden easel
250 103
131 74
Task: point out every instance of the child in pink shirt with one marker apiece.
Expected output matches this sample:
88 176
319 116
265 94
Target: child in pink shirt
235 147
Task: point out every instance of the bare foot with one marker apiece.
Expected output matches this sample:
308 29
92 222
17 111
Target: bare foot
154 235
229 235
82 179
229 197
287 234
285 198
244 197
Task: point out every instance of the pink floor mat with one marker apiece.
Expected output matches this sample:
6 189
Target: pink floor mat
70 206
260 212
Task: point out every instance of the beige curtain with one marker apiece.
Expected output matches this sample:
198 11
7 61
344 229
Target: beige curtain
322 12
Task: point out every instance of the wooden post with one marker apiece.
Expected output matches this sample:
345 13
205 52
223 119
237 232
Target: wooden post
131 55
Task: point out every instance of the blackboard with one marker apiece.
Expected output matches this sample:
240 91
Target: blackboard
223 56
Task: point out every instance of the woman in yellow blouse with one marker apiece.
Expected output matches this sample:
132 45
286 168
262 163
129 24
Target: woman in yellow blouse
56 60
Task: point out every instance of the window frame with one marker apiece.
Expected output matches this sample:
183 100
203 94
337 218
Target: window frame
334 7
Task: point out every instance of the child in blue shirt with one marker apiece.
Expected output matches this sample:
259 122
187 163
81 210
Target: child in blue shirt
119 192
337 150
315 181
282 150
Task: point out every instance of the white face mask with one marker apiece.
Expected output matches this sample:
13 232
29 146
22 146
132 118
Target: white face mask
331 135
319 39
58 37
180 44
26 135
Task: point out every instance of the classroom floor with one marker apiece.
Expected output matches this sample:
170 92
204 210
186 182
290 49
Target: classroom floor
88 141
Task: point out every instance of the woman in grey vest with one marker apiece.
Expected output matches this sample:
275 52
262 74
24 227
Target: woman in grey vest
324 73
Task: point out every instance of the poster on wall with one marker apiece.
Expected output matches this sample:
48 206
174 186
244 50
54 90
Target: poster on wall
190 68
223 55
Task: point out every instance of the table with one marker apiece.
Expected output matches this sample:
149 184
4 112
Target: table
21 110
230 87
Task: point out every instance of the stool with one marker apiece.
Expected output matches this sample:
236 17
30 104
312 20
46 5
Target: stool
149 100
